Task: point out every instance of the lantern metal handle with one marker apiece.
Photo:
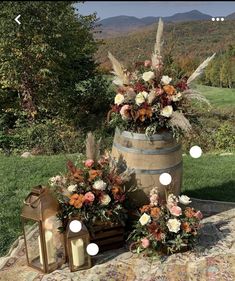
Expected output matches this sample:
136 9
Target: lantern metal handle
31 204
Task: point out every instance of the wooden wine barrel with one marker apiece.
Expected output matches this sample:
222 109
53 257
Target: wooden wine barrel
149 157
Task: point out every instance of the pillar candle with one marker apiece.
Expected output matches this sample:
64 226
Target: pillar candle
51 251
78 252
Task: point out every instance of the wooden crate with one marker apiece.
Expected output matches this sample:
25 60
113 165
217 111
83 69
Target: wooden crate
107 237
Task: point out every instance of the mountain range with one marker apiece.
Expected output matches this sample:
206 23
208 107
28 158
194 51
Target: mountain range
114 26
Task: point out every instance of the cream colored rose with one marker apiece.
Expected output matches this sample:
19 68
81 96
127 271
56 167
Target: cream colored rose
177 97
72 188
99 185
184 199
173 225
148 75
119 99
144 219
141 97
166 80
167 111
105 200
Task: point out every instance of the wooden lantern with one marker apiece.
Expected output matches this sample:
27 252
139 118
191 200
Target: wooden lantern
77 240
45 247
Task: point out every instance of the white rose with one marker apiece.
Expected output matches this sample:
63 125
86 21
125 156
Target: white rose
167 111
177 97
148 75
144 219
99 185
173 225
57 180
166 79
184 199
105 199
140 98
119 99
72 188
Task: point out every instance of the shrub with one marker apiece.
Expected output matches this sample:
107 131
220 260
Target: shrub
225 137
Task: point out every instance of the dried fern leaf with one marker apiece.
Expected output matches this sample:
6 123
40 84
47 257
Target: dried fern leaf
118 70
200 69
180 121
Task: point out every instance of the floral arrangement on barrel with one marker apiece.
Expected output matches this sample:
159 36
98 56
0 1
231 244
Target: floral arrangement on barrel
95 192
148 100
165 226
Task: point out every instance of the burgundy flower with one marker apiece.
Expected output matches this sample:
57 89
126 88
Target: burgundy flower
139 87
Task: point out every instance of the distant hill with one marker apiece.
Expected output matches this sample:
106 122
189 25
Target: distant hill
231 16
115 26
191 42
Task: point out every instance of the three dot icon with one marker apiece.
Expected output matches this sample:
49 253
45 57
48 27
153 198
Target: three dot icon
217 19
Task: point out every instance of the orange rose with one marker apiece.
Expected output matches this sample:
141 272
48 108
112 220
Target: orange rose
94 173
170 90
155 212
76 200
186 227
145 208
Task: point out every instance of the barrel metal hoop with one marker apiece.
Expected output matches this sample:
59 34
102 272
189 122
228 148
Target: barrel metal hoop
159 171
157 137
147 151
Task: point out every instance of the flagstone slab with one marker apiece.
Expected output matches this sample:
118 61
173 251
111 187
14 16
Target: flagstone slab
212 260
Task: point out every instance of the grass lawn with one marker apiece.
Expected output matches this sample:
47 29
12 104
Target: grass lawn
209 177
218 97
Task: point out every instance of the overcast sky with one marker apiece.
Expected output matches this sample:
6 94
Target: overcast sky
155 8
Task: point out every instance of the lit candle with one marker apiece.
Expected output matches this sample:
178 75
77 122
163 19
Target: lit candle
49 247
78 252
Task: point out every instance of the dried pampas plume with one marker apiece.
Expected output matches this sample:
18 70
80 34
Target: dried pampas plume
178 120
157 46
200 69
192 94
92 147
118 70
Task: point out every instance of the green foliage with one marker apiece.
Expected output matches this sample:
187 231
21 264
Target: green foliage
225 137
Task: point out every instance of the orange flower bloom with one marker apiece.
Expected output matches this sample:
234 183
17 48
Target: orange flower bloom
170 90
116 189
189 212
155 212
78 175
76 200
144 113
145 208
94 173
186 227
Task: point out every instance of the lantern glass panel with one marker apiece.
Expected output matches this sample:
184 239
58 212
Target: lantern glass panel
33 243
54 241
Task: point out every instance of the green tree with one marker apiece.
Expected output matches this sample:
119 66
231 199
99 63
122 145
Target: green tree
43 59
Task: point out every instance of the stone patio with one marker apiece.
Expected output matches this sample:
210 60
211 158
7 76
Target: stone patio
213 260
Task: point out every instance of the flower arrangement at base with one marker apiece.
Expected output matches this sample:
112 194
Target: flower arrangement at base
148 100
165 227
95 192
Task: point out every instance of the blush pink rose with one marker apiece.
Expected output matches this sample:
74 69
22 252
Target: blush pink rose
145 242
147 63
123 111
89 163
198 215
89 197
175 211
